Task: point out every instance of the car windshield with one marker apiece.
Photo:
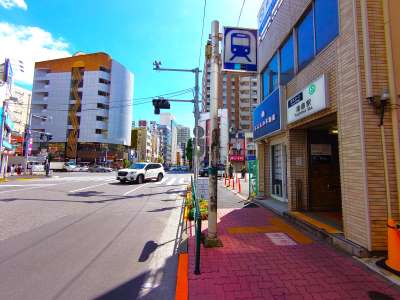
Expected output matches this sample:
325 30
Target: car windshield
137 166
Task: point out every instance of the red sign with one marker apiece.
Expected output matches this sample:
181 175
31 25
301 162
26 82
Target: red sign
236 157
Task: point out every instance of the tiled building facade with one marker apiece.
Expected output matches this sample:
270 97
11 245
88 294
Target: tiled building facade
330 162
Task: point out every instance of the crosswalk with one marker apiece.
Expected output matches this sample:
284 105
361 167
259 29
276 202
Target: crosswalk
173 181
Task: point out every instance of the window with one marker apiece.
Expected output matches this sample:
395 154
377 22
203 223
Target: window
270 76
102 106
102 93
100 118
287 61
98 131
326 22
105 81
104 69
305 40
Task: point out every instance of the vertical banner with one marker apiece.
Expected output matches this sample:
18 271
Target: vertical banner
252 166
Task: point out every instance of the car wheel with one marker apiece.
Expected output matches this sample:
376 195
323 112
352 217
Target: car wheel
140 179
122 181
160 177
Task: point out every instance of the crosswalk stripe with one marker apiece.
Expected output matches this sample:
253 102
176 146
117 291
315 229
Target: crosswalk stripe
182 181
162 181
171 181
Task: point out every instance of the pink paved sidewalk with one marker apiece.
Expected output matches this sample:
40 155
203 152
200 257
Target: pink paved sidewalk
251 266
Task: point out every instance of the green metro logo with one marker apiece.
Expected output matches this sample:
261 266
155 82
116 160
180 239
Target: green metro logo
311 89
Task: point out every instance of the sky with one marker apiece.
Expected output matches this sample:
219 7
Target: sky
133 32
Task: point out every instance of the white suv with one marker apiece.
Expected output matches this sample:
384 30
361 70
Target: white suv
140 172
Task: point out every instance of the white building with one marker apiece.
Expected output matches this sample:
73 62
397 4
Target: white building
89 98
168 119
183 135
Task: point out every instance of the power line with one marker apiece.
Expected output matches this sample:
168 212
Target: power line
240 14
202 30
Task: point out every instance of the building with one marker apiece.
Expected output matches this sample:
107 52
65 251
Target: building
141 143
88 98
165 143
238 95
318 128
167 119
183 135
19 111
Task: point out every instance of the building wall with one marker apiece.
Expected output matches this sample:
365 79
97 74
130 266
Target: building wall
52 86
361 163
20 110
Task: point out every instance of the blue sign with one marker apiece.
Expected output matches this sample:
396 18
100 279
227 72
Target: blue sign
240 49
267 116
251 157
265 15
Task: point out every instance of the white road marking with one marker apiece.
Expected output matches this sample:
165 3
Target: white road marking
135 189
31 188
171 181
162 181
182 181
27 185
90 186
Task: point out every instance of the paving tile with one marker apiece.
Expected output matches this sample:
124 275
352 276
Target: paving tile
251 267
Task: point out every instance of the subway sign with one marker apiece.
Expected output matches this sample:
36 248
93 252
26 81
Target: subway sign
312 99
267 116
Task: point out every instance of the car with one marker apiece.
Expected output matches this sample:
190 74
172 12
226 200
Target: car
100 169
140 172
69 167
205 171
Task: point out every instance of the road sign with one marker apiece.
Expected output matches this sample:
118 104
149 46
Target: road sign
200 130
240 49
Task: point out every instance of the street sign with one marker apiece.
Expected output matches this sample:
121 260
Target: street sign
240 49
200 130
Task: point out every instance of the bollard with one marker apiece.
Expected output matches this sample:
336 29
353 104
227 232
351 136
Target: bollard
233 183
393 260
239 187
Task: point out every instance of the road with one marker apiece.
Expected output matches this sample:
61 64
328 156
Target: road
86 236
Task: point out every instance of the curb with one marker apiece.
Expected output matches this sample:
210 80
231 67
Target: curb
182 283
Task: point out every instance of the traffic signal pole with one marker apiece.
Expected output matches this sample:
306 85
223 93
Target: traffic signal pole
196 72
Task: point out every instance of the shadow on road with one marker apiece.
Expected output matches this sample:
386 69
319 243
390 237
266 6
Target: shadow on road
164 209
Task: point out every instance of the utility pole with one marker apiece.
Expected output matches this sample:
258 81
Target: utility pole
212 239
196 72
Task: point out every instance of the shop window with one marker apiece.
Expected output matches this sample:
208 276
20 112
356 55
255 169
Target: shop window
270 76
287 61
326 22
305 40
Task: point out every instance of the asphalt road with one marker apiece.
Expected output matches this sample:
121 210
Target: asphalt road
86 236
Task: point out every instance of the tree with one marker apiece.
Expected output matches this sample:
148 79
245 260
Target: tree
189 152
160 159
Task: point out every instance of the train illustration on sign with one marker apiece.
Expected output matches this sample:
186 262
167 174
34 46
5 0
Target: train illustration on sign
240 45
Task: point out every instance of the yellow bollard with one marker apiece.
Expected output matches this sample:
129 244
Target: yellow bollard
393 260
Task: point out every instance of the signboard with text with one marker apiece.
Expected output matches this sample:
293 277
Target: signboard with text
310 100
266 14
267 116
240 49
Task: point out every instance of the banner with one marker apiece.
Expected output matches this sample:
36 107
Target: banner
252 166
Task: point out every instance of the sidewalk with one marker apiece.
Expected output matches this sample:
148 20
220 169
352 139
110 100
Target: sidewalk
244 186
265 258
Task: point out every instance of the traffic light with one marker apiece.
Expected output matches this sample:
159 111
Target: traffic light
160 104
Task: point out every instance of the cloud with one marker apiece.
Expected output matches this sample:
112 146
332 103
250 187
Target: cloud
8 4
29 44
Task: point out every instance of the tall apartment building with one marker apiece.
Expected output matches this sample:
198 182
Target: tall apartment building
183 135
88 98
238 95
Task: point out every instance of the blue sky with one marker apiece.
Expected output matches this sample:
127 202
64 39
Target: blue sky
133 32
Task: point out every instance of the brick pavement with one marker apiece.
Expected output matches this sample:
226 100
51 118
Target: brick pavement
251 266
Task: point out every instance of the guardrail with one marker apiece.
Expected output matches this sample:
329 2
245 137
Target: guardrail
197 223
